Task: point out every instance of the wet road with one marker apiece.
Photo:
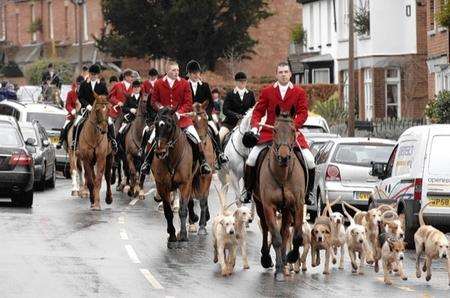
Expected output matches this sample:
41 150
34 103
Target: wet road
60 248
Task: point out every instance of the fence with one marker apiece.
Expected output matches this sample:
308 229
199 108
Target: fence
381 128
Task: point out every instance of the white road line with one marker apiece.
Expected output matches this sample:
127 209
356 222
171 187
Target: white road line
151 279
123 234
132 254
121 220
133 202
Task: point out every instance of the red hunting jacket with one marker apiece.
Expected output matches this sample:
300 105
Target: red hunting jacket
118 93
71 101
147 87
178 97
269 98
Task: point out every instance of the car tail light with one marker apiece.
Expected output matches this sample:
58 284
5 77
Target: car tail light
417 189
20 159
333 173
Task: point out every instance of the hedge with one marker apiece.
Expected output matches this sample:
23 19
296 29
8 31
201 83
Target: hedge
33 73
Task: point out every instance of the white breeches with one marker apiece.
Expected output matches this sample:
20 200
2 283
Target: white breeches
213 126
110 121
78 119
190 129
254 153
223 132
65 123
122 127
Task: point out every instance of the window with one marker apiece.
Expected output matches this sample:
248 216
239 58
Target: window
344 19
50 19
439 156
297 79
361 154
329 20
345 89
9 136
362 9
311 25
431 25
321 76
393 93
66 19
2 21
368 94
306 77
85 22
33 19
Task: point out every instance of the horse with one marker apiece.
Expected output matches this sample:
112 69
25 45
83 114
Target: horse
280 186
233 171
133 139
201 183
95 151
172 169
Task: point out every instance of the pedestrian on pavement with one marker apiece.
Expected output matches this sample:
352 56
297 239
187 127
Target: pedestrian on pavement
50 77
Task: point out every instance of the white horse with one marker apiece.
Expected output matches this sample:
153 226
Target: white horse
233 171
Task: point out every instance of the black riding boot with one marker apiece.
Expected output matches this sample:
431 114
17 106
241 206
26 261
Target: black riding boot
144 142
75 135
112 138
249 182
309 189
62 136
221 158
205 169
147 161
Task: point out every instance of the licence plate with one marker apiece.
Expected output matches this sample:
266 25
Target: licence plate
439 202
54 140
362 196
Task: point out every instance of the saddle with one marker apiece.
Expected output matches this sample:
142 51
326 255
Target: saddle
226 139
194 146
297 153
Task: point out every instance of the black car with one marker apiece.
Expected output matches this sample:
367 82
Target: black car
43 153
16 164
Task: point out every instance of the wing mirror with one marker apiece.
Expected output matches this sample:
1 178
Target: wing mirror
30 142
378 170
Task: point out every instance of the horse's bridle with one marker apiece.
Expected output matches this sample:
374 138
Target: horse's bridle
103 120
172 140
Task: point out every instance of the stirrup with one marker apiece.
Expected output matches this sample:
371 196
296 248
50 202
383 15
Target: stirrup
222 159
247 198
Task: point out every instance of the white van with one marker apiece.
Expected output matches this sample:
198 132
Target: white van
417 171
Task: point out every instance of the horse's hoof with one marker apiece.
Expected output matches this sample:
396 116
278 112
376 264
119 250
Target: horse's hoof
279 276
75 193
182 244
194 218
192 228
157 199
202 231
126 189
293 256
172 244
266 261
119 187
160 207
109 200
130 193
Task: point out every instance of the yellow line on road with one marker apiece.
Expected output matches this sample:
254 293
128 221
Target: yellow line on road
151 279
132 254
123 234
133 202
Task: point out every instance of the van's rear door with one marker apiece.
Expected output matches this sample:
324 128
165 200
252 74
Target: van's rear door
436 171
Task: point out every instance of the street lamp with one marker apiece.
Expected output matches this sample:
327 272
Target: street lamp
80 4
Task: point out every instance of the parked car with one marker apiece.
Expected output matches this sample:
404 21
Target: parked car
43 153
50 117
417 171
16 164
342 170
317 140
315 124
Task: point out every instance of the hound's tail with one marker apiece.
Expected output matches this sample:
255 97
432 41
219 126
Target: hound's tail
352 222
421 221
328 206
351 207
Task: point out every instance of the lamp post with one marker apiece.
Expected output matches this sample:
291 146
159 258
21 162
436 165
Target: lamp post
80 4
351 73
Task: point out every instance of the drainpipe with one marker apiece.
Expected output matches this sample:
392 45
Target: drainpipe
334 12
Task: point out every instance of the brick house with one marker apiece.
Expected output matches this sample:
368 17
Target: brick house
438 51
390 57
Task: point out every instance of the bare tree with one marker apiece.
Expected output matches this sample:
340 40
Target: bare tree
232 60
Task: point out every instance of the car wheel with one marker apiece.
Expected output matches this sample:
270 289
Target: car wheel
52 181
406 216
40 185
24 200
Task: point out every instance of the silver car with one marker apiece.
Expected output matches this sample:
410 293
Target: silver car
342 170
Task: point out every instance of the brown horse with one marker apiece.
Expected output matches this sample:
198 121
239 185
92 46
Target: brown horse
133 140
281 187
172 170
201 183
95 151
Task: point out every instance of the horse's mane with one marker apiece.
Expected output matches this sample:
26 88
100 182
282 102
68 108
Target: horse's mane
245 122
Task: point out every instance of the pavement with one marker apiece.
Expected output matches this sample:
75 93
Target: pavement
59 248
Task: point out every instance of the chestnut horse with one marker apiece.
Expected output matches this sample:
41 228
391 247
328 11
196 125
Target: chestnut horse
281 187
95 151
133 140
201 183
76 168
172 170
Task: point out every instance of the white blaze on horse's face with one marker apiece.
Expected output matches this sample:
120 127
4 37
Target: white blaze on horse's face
161 123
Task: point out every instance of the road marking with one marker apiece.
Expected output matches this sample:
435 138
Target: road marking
132 254
151 279
133 202
403 288
121 220
123 234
